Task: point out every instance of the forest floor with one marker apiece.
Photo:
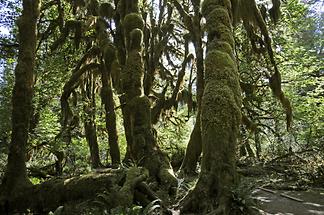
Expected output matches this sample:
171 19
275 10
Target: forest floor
292 184
290 202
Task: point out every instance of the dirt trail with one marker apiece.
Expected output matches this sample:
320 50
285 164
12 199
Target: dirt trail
273 203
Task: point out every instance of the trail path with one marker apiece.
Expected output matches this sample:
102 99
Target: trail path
312 202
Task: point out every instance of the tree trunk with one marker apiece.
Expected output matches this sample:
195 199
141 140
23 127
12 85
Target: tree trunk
108 100
257 143
193 150
220 115
142 145
91 136
89 121
194 147
15 176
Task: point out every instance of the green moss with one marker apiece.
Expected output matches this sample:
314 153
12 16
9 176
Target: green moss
218 16
219 110
141 106
136 38
221 69
209 5
216 59
133 74
109 53
132 21
221 46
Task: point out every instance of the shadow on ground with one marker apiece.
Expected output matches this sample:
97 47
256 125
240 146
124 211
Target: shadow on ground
301 202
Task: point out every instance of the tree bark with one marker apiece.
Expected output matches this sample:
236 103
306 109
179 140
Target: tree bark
220 115
193 150
91 136
89 121
194 147
108 100
15 176
142 144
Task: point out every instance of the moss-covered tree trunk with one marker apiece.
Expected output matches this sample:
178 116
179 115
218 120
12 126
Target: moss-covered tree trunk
91 136
89 121
15 176
142 144
194 148
220 114
108 100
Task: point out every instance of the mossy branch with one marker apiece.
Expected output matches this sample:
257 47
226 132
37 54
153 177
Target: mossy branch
68 89
165 104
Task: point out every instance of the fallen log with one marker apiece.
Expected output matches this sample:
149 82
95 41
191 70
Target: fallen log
45 197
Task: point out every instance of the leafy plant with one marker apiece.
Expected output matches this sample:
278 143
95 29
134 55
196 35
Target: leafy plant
242 201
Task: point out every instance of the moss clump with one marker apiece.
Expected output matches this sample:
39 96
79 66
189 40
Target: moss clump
109 53
106 10
209 5
219 110
132 21
222 46
136 38
218 16
133 74
227 36
217 59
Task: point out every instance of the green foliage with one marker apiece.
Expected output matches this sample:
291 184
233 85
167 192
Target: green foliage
103 201
6 86
242 201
